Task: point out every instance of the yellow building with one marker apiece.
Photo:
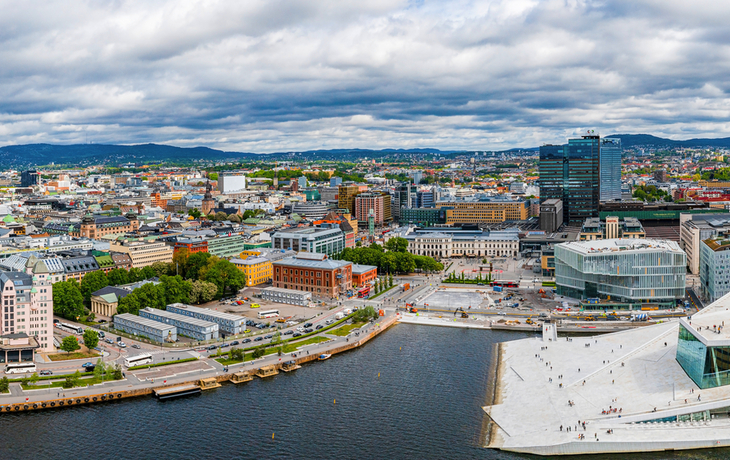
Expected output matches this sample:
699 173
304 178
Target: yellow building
489 211
258 270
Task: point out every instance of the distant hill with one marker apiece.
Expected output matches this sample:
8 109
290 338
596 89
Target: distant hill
632 140
87 154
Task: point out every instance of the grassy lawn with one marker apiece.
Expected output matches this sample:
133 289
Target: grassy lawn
92 380
288 348
344 330
164 363
77 355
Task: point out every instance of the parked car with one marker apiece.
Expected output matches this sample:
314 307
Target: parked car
225 345
46 372
212 347
89 364
246 341
307 325
234 343
296 334
134 345
319 326
308 330
289 332
268 336
258 339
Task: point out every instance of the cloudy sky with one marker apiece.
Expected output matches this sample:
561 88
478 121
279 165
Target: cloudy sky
273 75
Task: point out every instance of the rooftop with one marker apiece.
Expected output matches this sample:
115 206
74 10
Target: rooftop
621 245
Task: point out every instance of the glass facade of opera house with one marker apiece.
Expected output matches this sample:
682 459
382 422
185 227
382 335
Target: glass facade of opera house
707 366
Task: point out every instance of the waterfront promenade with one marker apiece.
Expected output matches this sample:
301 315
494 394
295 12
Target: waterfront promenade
144 381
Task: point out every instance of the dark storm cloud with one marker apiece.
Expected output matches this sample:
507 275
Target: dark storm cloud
283 75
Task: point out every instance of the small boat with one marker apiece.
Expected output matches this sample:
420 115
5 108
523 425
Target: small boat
324 356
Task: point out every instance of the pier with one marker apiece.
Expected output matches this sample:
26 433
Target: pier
173 385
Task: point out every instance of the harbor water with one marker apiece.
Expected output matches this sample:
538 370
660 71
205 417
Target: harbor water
414 392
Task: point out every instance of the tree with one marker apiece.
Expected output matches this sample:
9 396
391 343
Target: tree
151 295
91 338
194 213
389 262
135 274
213 176
195 264
390 280
129 304
148 272
72 380
225 275
202 291
211 217
364 314
221 216
234 218
405 262
176 289
67 299
160 268
397 244
69 344
92 282
4 385
236 353
259 352
117 276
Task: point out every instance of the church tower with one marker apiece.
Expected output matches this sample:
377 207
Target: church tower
208 202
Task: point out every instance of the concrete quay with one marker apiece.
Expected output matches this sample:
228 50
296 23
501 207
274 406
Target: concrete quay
19 400
627 387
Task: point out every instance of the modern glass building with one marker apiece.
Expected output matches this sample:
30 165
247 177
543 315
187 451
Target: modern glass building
552 172
571 173
628 272
581 189
703 349
610 169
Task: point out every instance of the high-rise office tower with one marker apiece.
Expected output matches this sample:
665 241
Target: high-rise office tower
30 178
403 198
610 169
552 172
582 188
571 173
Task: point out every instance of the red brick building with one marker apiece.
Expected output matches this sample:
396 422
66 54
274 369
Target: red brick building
315 273
193 245
363 274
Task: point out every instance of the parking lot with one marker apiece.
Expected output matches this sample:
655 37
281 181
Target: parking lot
450 300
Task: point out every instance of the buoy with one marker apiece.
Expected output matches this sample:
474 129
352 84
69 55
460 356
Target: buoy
378 374
335 401
272 435
401 348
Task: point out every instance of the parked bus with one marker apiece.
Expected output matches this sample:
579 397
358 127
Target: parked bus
20 368
505 284
70 328
144 358
268 314
364 292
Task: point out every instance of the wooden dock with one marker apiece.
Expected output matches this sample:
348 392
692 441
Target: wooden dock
176 391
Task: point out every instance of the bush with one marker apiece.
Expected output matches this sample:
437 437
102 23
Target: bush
236 353
259 352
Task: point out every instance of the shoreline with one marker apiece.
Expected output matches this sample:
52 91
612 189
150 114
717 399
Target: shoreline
96 394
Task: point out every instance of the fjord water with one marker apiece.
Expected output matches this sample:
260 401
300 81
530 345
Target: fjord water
425 404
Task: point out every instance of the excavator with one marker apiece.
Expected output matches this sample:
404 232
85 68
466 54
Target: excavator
411 308
463 313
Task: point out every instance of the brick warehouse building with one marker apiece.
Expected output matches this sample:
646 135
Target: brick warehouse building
315 273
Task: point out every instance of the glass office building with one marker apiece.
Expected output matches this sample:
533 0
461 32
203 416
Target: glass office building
571 173
632 272
610 169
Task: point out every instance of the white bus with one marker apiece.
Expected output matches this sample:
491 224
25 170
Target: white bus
70 328
20 368
138 360
268 314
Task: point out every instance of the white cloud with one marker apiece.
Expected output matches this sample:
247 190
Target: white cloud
295 75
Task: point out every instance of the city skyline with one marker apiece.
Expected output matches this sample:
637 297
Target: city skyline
264 77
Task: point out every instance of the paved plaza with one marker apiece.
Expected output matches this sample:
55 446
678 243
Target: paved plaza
628 382
450 299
